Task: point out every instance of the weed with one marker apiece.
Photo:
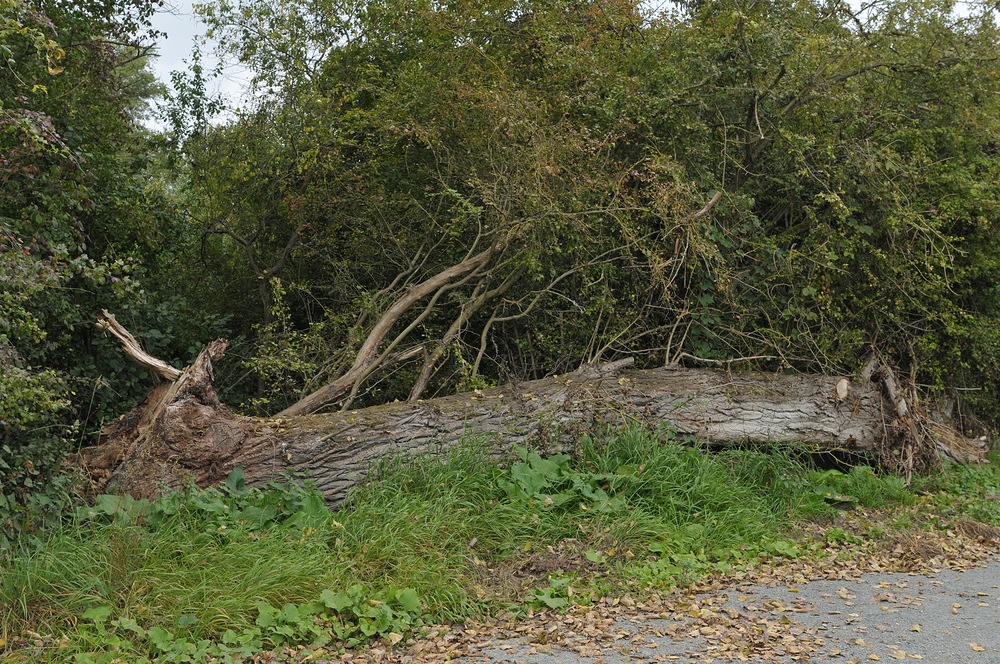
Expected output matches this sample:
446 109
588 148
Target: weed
556 595
968 491
841 536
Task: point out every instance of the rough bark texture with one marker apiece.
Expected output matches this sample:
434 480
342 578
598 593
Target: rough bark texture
181 430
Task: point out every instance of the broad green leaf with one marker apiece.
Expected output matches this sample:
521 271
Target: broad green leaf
409 600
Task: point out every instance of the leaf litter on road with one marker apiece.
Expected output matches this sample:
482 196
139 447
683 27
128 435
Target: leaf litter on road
766 631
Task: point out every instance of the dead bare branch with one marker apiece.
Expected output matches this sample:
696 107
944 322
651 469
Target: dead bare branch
474 304
720 363
107 322
367 354
708 206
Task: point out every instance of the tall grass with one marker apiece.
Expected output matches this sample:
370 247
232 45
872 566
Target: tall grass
199 563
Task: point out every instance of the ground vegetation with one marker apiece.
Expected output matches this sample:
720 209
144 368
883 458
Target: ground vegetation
235 573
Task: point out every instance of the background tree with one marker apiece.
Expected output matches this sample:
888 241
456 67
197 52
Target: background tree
82 227
400 154
851 153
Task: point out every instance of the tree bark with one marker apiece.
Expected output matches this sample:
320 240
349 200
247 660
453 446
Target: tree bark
181 431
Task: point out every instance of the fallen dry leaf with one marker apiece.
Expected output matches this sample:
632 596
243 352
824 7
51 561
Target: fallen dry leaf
759 631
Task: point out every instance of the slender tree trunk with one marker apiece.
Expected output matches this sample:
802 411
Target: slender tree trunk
181 431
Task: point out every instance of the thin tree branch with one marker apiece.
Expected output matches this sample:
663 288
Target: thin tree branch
475 303
367 354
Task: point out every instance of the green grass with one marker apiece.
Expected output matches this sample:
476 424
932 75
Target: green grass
969 491
213 569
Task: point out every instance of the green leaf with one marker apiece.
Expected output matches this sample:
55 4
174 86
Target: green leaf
266 615
546 597
161 638
98 614
558 583
186 621
258 517
289 613
236 482
312 511
129 624
336 601
409 600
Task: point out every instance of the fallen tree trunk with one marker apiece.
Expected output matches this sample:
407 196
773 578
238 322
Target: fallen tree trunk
181 431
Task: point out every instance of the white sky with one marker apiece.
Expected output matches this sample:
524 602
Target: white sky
182 27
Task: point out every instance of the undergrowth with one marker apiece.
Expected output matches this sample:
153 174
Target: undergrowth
971 491
217 574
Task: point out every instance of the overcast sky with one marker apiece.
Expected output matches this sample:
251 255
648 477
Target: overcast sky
182 28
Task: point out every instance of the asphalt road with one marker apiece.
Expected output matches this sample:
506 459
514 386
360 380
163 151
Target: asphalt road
946 617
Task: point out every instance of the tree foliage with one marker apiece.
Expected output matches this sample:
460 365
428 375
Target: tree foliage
81 228
853 153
